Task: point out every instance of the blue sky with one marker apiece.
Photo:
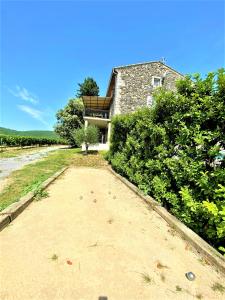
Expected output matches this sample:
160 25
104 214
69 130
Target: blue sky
48 47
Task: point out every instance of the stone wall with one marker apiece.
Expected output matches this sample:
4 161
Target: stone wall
134 85
115 106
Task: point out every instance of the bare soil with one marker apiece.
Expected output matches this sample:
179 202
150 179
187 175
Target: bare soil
94 237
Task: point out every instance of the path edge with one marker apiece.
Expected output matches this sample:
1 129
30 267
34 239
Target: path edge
13 210
202 247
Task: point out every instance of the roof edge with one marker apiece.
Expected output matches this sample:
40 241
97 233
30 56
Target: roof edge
138 64
110 79
147 63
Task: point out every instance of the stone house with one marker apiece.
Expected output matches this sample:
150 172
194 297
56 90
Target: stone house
130 87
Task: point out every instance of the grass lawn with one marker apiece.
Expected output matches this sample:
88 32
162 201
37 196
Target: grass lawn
7 152
31 176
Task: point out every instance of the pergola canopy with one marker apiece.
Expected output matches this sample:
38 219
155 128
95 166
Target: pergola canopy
95 102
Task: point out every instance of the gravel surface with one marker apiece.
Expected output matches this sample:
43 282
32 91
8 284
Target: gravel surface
94 237
8 165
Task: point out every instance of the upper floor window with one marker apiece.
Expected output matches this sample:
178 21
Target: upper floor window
156 81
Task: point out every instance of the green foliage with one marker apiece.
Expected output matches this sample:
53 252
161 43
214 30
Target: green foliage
89 135
174 152
222 249
30 133
22 141
68 119
40 193
88 88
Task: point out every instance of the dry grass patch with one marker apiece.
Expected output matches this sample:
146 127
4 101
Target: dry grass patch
178 288
199 296
161 266
147 279
93 159
203 261
54 257
162 277
218 287
110 221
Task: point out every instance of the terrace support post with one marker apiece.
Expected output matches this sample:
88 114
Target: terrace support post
85 124
85 144
109 132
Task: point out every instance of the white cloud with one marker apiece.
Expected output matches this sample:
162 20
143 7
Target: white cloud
24 94
34 113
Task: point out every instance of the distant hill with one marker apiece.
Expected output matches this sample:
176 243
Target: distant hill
34 133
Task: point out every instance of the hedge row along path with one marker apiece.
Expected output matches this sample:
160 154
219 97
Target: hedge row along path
94 237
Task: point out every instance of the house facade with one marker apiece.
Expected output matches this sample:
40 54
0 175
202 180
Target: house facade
130 87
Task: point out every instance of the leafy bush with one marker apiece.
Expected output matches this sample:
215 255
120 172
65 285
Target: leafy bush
170 150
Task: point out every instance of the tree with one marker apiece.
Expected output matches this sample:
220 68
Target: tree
89 135
88 88
68 119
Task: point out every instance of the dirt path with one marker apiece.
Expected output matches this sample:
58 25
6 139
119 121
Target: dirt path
94 237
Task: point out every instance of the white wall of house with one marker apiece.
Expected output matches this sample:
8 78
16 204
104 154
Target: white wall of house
96 147
99 123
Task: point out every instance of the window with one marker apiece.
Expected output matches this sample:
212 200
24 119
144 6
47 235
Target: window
156 81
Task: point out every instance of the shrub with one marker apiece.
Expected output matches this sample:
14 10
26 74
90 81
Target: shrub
170 150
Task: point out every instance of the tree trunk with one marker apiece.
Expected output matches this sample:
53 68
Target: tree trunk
86 148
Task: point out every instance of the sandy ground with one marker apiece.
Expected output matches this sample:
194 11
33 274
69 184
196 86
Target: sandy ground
94 237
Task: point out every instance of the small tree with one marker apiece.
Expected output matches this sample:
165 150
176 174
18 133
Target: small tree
88 88
89 135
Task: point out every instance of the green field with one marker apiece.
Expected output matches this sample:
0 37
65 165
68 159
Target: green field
32 133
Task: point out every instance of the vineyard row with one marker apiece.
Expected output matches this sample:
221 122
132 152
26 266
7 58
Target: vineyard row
13 141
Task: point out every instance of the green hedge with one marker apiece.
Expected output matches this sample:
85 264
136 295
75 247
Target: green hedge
13 141
174 152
